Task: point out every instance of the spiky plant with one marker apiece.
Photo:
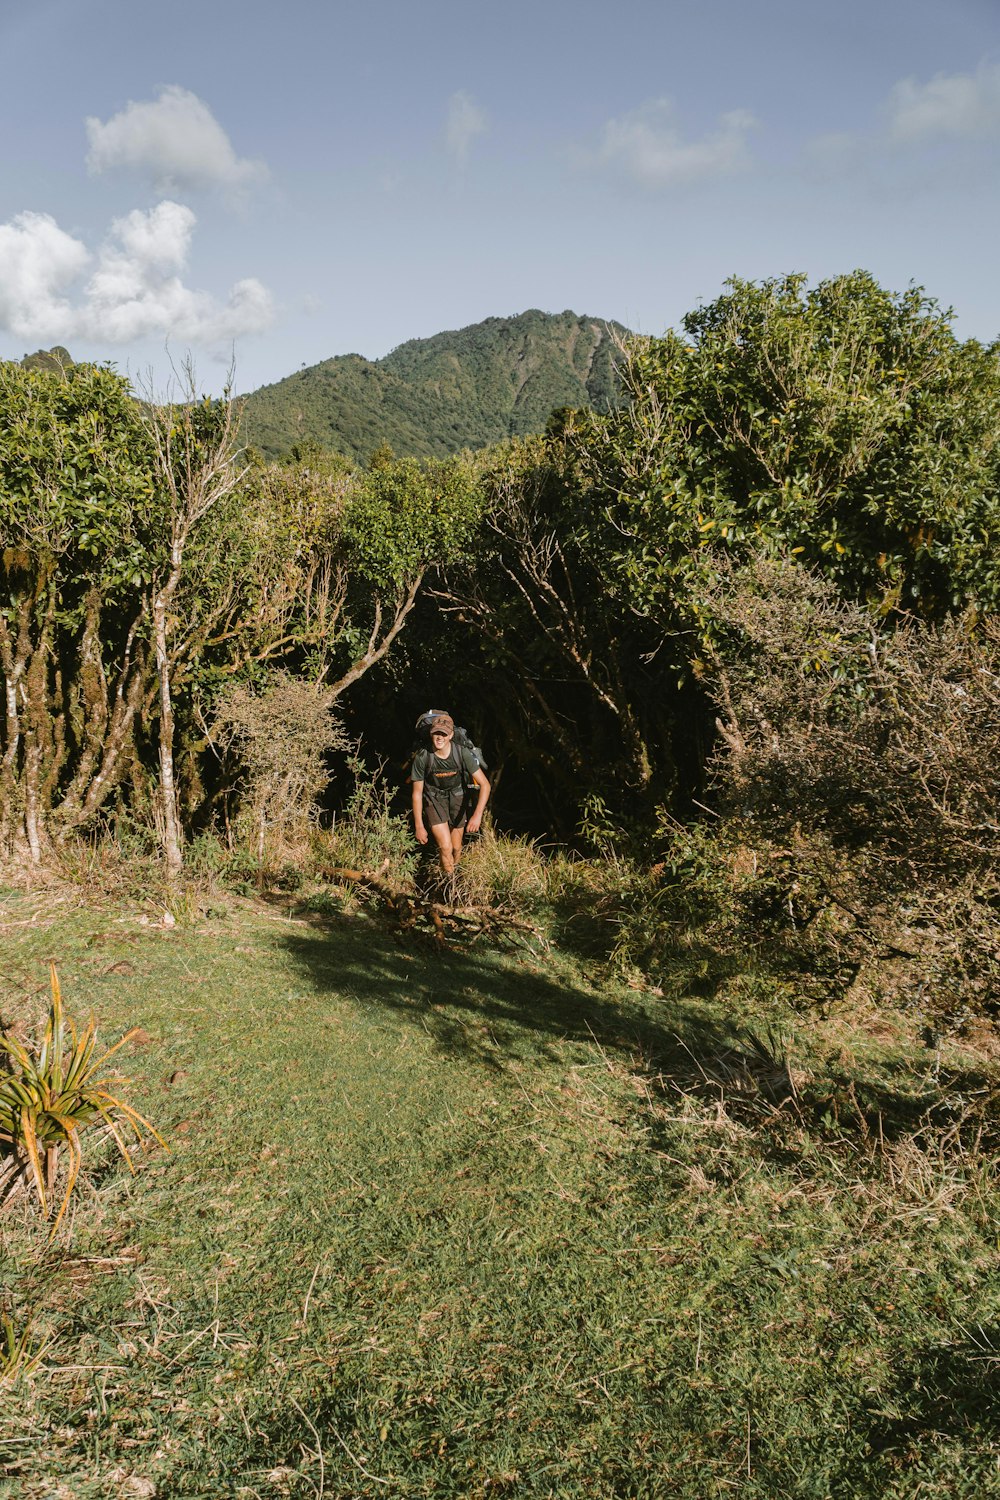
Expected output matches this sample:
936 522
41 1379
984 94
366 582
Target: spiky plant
20 1356
51 1095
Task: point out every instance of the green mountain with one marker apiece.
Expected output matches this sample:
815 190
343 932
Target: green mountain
56 358
431 397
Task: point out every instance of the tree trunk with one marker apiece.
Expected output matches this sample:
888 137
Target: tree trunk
37 729
172 835
12 665
32 796
105 757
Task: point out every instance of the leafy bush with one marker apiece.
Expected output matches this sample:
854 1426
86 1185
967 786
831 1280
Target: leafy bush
859 826
368 834
279 735
843 422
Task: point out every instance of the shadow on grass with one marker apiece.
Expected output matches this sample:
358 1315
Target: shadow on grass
492 1008
951 1391
488 1007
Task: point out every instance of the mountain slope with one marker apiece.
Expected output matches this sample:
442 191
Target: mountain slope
430 397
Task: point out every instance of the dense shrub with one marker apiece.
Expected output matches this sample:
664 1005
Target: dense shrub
279 736
858 803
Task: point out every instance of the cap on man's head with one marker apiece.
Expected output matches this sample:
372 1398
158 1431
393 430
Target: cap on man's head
444 722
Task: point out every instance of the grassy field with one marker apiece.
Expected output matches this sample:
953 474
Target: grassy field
482 1223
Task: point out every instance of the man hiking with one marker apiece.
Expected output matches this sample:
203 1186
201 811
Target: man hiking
448 781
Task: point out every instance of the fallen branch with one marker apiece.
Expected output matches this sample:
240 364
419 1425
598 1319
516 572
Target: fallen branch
415 910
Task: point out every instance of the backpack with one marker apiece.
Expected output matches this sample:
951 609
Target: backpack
460 737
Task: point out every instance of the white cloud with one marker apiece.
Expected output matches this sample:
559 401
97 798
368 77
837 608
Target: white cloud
647 146
965 105
134 290
38 261
930 137
175 140
465 121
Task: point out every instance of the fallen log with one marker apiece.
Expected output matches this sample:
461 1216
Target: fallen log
415 909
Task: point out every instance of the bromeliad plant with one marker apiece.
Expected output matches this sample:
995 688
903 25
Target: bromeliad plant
50 1096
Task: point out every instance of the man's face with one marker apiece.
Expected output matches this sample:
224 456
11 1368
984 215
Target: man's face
441 741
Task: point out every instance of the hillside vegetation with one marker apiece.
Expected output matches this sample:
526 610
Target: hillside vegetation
432 397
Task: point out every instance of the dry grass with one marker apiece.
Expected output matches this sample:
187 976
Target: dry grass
507 873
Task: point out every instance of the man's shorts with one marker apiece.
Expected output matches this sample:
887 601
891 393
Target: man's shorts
450 807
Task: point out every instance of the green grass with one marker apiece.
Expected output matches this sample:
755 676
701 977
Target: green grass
473 1224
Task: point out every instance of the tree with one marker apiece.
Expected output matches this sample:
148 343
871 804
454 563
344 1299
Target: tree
844 425
533 592
76 500
196 469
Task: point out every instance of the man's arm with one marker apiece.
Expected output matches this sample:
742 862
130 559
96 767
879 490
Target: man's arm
479 778
418 812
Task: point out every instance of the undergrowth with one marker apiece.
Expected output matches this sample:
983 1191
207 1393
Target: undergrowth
467 1223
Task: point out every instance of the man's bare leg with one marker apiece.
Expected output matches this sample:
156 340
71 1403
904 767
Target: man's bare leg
443 837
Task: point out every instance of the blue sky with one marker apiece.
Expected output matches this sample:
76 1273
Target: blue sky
292 181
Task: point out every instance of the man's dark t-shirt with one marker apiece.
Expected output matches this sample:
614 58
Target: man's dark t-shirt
444 773
446 789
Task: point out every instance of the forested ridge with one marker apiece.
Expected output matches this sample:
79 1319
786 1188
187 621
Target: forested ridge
432 397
